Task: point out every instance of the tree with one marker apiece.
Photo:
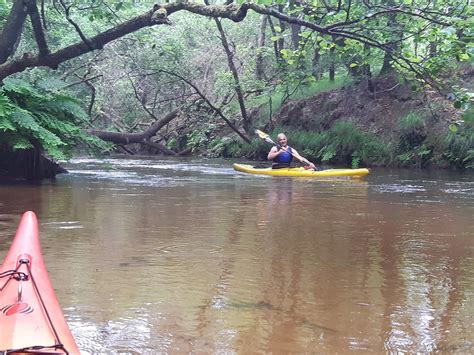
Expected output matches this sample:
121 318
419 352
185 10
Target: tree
359 36
350 22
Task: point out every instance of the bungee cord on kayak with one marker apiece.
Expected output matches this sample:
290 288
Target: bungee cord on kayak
21 277
34 349
56 336
13 274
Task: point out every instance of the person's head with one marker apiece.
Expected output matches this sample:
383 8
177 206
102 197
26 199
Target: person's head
282 140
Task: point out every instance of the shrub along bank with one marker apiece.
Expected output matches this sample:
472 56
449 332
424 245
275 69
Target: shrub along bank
352 126
346 144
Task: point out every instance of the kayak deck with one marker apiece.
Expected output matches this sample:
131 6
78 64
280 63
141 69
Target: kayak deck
31 319
301 172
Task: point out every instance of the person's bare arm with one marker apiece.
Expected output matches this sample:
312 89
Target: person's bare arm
301 158
274 152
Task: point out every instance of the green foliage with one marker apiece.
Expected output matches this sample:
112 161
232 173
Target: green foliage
459 150
348 144
463 99
234 147
412 148
411 122
172 143
416 148
412 131
200 139
196 140
34 117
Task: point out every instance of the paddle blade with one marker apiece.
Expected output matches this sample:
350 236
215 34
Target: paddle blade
261 134
264 136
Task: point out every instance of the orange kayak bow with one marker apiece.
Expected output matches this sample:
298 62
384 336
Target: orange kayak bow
31 320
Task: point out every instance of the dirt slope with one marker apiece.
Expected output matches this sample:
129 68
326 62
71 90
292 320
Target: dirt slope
377 111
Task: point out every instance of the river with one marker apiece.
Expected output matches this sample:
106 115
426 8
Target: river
159 255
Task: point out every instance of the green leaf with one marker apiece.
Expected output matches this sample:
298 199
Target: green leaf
453 128
24 120
457 104
468 116
22 143
305 34
6 125
18 85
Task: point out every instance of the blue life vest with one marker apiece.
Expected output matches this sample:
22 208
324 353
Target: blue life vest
283 160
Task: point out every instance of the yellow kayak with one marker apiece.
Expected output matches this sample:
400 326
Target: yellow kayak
356 173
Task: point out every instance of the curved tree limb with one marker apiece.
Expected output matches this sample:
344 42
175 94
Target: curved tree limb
215 109
143 137
18 13
74 24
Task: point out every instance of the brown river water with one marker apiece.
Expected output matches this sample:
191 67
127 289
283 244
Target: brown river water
155 255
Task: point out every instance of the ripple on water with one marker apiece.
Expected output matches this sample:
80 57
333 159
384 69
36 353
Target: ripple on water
153 173
460 189
127 335
65 224
399 188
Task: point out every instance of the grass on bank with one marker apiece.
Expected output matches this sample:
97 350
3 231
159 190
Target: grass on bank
346 144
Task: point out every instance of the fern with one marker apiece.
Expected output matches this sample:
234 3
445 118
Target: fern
23 119
18 86
6 106
6 125
22 143
36 117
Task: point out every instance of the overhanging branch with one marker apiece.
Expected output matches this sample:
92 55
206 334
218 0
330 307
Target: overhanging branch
215 109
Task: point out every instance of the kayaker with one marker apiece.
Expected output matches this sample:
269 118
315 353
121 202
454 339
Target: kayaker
282 154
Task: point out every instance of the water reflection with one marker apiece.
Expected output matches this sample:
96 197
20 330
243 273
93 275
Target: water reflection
155 255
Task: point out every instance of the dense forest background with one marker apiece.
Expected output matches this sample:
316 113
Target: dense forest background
359 83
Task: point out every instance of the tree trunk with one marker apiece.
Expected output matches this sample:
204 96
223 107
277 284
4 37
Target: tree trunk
295 28
276 48
12 31
332 63
394 48
28 164
281 41
260 65
317 70
433 47
238 88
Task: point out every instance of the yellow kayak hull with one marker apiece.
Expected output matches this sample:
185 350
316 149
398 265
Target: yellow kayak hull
302 172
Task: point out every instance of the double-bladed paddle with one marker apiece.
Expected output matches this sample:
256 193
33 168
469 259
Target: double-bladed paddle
267 139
